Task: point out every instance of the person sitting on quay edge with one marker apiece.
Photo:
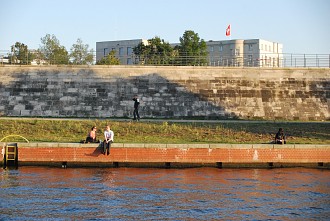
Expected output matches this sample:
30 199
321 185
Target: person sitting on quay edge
280 137
91 137
108 139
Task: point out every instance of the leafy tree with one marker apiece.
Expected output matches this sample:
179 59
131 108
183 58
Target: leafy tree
39 57
20 54
140 51
53 52
110 59
192 49
156 52
80 53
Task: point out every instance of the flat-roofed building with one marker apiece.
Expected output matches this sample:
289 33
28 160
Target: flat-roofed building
236 53
123 49
248 53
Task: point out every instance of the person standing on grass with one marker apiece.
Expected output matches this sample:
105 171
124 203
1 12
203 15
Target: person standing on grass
136 108
108 139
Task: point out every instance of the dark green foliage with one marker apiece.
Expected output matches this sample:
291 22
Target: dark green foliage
110 59
20 54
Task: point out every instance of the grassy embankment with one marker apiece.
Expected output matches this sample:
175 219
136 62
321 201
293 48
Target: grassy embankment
39 130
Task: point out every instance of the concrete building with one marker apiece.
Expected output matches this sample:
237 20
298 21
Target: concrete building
123 49
247 53
236 53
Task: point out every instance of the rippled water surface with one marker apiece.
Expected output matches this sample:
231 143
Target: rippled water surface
32 193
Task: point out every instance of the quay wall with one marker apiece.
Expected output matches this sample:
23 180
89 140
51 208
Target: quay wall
165 92
173 155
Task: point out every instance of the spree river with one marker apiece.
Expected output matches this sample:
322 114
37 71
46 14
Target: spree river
46 193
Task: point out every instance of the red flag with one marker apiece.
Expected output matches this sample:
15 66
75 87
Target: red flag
228 31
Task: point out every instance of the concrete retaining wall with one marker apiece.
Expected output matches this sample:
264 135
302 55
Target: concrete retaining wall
174 155
165 92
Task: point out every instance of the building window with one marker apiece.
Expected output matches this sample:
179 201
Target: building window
129 50
220 48
106 51
129 60
250 47
211 48
237 52
121 51
250 62
262 47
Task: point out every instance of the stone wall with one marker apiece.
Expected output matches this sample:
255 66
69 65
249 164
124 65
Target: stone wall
165 92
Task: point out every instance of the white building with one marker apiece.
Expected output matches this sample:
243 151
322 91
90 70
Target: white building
248 53
237 53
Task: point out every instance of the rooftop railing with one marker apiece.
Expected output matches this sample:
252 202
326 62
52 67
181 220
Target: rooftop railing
284 60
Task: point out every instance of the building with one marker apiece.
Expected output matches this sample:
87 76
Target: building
234 53
247 53
123 49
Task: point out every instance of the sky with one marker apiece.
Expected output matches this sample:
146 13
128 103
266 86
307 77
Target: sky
302 26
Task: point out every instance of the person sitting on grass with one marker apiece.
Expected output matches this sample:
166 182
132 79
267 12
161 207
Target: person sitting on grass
280 137
91 137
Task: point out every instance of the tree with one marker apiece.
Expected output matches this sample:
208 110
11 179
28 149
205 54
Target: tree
192 49
39 57
80 53
110 59
53 52
156 52
20 54
140 51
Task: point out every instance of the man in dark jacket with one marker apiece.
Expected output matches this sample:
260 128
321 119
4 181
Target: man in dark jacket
280 137
136 108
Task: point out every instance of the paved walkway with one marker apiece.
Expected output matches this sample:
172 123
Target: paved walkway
163 120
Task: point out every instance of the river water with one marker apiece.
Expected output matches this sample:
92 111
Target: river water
46 193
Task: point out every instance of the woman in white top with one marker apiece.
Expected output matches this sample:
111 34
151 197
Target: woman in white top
108 139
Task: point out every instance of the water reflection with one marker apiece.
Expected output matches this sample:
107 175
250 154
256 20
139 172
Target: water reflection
31 193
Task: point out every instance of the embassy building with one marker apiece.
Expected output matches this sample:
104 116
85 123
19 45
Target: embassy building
232 53
247 53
